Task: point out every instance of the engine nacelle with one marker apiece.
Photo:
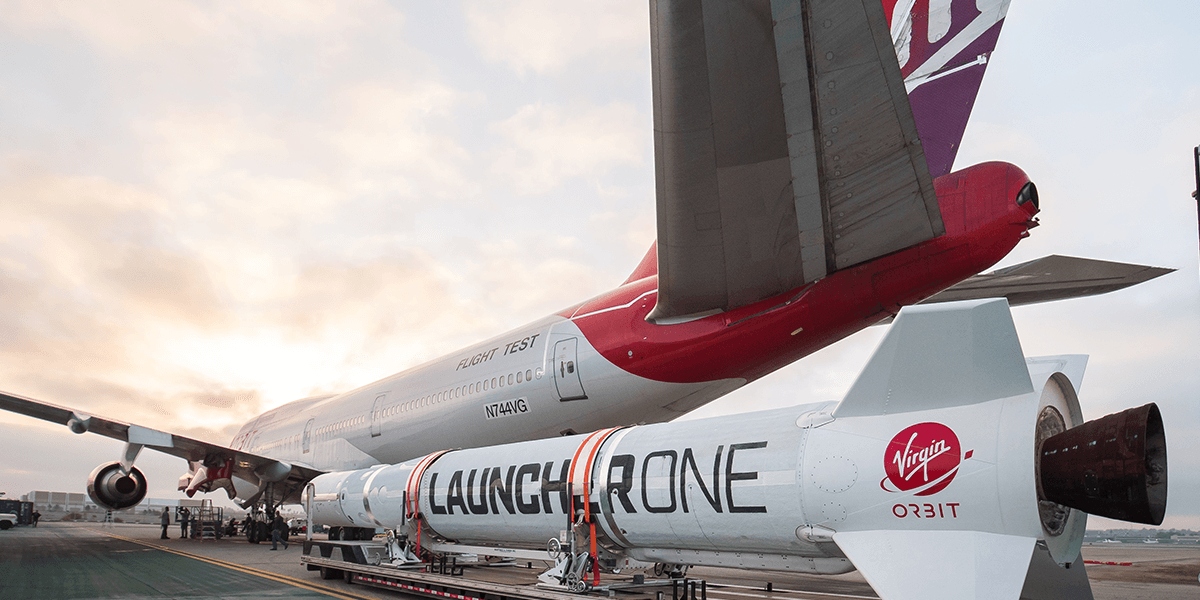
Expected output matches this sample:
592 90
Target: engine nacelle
110 487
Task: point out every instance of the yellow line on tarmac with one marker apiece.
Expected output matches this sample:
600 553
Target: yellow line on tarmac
292 581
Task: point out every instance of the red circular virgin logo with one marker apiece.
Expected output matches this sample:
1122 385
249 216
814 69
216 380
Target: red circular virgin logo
923 458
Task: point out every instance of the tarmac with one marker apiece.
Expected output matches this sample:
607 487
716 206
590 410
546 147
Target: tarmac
77 561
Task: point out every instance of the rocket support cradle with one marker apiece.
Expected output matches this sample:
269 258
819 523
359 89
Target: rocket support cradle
932 458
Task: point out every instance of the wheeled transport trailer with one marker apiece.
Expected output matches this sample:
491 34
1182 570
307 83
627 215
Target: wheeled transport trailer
367 563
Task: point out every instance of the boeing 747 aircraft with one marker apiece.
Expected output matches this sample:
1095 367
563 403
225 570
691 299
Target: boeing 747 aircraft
803 160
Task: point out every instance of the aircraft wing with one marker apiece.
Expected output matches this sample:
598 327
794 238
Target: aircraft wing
1050 278
250 467
784 147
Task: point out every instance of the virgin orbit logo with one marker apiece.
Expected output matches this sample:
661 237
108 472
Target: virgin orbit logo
923 458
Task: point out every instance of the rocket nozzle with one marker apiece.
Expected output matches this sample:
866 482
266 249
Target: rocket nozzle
1114 466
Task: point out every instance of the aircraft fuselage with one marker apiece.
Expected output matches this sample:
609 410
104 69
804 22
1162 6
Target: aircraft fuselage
601 362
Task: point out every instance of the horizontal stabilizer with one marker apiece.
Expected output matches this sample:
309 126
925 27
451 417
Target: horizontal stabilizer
936 565
1050 278
940 356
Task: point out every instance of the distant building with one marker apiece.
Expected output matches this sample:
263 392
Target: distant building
73 502
59 501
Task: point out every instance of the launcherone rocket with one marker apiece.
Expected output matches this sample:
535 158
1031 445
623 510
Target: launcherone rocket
955 467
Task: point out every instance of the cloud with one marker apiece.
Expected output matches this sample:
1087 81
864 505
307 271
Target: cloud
388 136
146 29
545 36
543 145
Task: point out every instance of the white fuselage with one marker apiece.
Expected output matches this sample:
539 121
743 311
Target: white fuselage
541 380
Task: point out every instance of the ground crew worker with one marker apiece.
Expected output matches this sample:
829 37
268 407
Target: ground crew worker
37 516
279 532
184 515
166 520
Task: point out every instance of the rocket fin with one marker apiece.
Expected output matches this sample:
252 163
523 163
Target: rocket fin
938 356
939 565
1071 365
1048 581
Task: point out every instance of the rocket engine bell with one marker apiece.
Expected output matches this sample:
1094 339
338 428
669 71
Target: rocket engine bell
952 450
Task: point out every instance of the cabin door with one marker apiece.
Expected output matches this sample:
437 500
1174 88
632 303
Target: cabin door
377 416
306 439
566 370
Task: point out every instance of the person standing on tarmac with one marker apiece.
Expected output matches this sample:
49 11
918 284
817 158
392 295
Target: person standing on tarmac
166 521
184 515
36 516
279 531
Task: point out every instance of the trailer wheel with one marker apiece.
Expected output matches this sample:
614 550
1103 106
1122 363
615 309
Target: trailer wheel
348 577
5 525
328 573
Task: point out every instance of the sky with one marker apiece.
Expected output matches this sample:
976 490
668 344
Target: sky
212 209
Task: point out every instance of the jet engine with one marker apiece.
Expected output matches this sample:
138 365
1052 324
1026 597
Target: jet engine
111 487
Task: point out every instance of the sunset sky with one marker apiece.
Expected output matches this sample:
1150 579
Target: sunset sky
212 209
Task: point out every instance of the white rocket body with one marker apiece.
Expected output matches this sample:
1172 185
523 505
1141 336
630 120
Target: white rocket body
923 477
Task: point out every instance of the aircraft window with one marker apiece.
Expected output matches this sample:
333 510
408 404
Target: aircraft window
501 381
471 388
510 379
520 377
485 385
528 375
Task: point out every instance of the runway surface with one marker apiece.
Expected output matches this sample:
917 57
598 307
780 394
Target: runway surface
76 561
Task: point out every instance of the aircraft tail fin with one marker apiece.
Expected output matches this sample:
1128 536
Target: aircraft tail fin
647 267
943 47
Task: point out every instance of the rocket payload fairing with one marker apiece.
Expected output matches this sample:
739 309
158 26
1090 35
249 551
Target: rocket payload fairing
951 449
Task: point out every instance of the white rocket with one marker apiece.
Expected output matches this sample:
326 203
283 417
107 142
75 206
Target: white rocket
954 468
